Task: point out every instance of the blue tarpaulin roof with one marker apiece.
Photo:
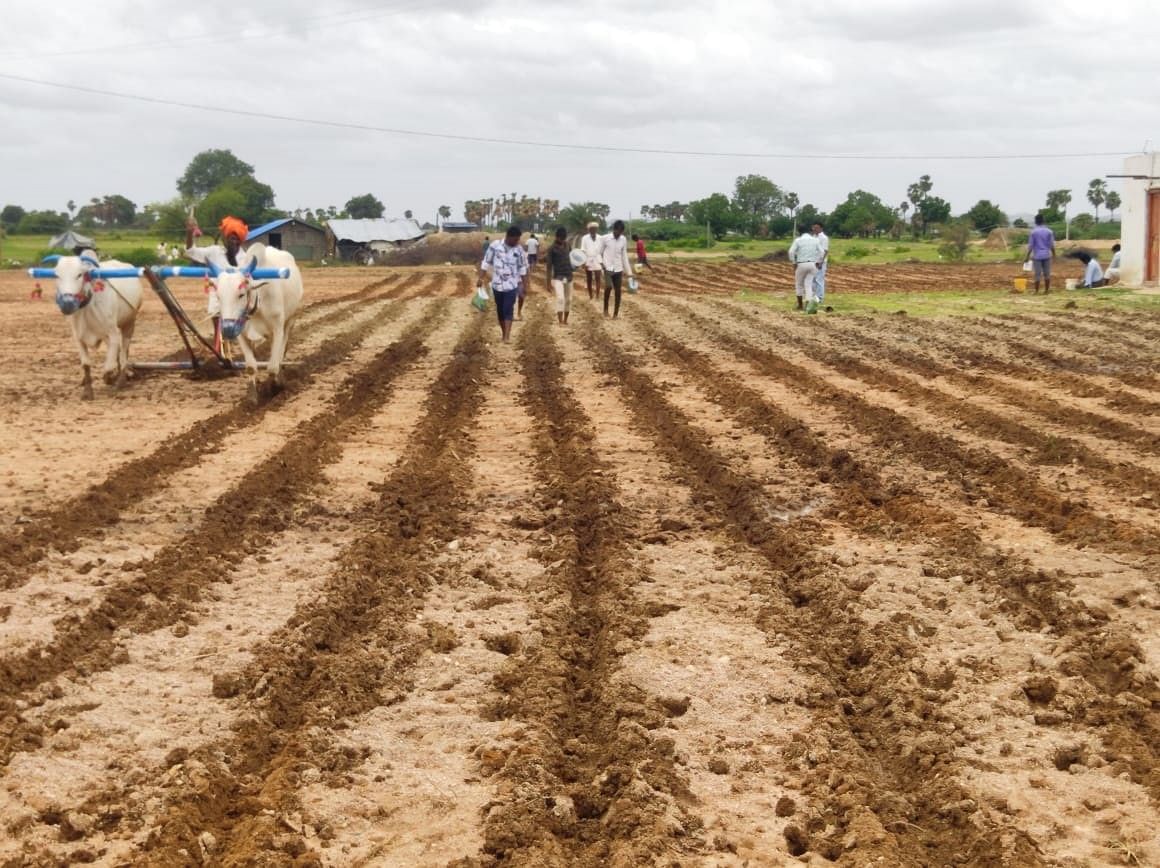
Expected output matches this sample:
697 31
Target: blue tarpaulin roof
277 224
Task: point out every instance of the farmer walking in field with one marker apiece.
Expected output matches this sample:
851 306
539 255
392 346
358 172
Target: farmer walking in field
533 251
1041 250
590 247
614 261
641 253
506 265
806 255
560 274
823 266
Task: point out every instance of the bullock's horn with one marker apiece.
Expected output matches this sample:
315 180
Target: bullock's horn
89 260
52 257
250 268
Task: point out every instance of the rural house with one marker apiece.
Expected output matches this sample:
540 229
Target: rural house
1140 220
304 241
369 239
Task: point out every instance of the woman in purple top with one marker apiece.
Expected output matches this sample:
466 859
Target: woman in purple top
1041 250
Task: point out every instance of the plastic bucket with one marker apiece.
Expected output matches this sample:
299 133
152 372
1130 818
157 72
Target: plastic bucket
1020 284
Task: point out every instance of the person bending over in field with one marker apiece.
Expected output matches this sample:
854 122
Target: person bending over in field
641 253
560 274
1093 275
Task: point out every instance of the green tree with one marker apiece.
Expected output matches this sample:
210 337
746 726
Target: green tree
577 215
223 202
1097 194
985 216
755 200
934 210
716 212
916 194
11 216
41 223
956 240
408 214
364 206
444 213
209 170
862 214
118 211
257 199
170 218
1058 200
791 202
1113 202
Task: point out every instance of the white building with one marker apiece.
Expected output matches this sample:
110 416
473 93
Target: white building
1140 220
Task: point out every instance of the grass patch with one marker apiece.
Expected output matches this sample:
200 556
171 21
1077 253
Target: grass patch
965 303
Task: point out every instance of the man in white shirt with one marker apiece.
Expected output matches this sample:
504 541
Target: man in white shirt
805 253
228 254
1112 275
614 262
820 278
533 247
590 247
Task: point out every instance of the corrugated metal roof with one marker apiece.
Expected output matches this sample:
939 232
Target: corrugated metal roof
277 224
380 229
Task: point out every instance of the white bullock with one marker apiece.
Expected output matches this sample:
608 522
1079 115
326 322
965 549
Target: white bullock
98 310
256 311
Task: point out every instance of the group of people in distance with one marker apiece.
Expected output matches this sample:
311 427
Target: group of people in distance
1041 253
507 266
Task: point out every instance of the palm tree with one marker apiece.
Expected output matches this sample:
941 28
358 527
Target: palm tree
1113 202
444 213
792 202
1097 194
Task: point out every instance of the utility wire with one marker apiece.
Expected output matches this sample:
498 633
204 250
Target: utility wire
491 140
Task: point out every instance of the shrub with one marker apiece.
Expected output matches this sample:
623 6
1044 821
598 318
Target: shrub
140 256
856 251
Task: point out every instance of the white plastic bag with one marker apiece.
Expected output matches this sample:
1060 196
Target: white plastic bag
479 299
1027 265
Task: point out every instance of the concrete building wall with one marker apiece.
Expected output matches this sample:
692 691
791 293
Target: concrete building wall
1134 216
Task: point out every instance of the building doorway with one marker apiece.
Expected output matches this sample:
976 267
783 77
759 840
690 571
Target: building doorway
276 240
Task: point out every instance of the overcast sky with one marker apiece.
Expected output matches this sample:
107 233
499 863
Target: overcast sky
917 78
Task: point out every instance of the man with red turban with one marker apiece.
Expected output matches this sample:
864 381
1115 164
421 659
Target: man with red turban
228 254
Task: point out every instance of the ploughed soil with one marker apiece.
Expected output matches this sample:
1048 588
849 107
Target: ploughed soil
708 583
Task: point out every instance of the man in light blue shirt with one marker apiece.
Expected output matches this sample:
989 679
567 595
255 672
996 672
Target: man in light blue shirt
1041 250
1093 275
806 255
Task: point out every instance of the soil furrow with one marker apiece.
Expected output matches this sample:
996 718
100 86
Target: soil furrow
601 784
983 355
904 805
1049 449
63 526
891 353
1109 660
262 503
977 473
336 659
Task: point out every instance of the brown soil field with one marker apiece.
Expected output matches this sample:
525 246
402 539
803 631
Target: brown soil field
709 584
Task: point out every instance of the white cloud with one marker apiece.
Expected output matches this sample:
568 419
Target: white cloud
845 76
